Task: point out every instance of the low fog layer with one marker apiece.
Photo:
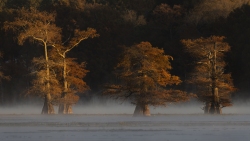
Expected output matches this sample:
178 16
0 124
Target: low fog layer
97 106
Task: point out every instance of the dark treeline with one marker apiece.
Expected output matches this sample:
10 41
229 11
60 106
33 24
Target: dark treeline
123 23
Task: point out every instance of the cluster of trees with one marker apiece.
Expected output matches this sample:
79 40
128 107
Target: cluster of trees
60 49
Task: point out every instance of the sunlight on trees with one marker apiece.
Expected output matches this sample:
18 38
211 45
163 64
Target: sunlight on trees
144 72
38 40
213 85
39 83
38 27
72 82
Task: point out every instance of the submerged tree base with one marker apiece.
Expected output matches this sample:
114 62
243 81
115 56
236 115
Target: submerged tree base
48 108
142 110
212 109
65 109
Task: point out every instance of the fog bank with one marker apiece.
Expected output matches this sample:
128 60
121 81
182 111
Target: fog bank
97 106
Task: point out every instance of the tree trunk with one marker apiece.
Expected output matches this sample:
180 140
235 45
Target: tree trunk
47 107
142 110
69 109
207 108
217 101
65 109
215 105
215 108
212 108
61 109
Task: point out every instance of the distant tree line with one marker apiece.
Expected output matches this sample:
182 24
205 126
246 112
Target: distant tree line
61 50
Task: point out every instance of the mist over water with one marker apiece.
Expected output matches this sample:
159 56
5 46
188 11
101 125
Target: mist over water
112 120
97 106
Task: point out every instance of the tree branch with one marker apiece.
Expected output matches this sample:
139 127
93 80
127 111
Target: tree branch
76 44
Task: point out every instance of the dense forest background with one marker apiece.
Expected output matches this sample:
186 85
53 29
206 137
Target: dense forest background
123 23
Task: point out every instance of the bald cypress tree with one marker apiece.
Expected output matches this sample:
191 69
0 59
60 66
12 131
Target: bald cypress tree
39 28
144 74
72 72
213 85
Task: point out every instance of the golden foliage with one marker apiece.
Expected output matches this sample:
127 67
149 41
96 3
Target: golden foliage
56 74
76 73
208 73
40 81
71 73
203 47
35 25
70 98
80 35
144 71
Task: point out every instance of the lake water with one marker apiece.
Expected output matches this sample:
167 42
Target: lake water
125 127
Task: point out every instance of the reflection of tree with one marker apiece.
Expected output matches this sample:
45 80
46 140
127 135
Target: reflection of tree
213 85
